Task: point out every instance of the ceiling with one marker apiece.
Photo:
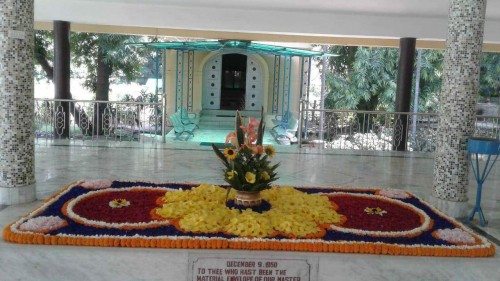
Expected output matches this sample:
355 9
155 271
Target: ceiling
390 7
423 19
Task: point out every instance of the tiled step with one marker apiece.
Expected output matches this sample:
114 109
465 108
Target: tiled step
230 113
222 125
222 119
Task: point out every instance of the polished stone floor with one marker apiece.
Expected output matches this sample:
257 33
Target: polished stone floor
57 166
211 135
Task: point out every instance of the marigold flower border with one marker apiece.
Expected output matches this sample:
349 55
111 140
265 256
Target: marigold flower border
486 248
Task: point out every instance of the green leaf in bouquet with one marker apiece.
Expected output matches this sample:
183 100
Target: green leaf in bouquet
275 166
234 182
260 131
220 155
240 136
264 158
228 190
259 187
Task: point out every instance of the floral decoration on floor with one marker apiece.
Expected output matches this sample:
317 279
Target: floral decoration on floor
293 214
194 216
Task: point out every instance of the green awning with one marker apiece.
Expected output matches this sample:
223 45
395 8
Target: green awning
215 46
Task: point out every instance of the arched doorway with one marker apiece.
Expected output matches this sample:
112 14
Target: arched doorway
232 82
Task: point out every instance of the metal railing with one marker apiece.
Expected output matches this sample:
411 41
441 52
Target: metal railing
88 120
376 130
139 122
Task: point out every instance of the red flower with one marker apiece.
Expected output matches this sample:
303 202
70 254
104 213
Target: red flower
397 218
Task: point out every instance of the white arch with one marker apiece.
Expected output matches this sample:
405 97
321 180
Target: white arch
258 58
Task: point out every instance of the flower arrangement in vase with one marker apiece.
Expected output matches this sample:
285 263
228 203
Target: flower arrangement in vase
247 166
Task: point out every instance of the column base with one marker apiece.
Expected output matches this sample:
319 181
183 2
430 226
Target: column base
453 209
17 195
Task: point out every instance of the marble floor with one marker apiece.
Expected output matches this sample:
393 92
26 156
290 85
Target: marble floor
57 166
213 135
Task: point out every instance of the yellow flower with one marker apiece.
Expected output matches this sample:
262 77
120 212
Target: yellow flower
231 174
264 175
269 149
249 224
295 213
375 211
230 153
119 203
250 177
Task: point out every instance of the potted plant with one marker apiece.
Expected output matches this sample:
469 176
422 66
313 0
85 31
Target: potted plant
247 166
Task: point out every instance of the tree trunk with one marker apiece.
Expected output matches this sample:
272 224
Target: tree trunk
42 60
101 115
367 105
79 114
61 78
351 58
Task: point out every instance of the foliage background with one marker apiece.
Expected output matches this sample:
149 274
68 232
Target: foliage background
364 78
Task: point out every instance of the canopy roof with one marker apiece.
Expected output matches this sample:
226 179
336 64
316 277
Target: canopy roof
249 47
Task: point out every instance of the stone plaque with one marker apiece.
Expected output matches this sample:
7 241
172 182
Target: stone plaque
17 34
216 267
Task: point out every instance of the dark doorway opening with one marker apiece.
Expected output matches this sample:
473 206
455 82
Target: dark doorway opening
234 74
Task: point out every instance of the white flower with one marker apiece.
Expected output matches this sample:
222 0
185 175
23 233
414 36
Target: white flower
455 235
394 193
43 224
96 184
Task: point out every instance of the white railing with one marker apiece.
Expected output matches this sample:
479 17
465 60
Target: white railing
87 120
375 130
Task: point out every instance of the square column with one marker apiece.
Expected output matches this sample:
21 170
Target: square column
17 165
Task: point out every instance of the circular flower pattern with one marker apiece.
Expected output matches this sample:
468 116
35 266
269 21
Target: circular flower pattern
43 224
293 213
126 208
455 236
375 215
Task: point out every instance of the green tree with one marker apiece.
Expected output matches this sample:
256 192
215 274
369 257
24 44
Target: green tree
361 78
364 78
103 55
431 70
490 75
44 55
